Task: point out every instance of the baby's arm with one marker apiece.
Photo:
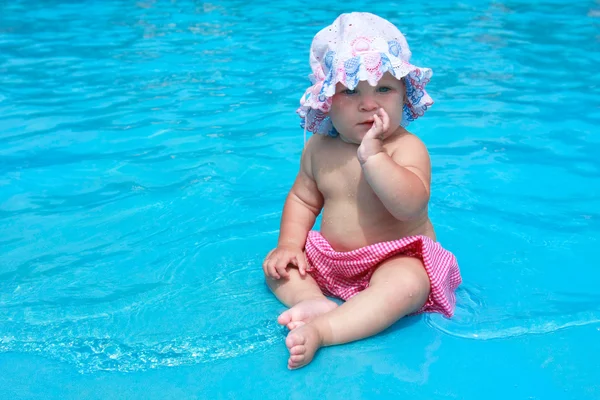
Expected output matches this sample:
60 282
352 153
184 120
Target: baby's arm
302 206
402 180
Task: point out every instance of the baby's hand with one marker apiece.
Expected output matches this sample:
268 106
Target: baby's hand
372 142
278 259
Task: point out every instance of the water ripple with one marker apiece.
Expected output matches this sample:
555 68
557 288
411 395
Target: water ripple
92 354
479 321
146 149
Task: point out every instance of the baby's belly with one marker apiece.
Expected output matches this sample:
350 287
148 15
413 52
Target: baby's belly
348 227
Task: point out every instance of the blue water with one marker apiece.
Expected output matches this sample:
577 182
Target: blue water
146 149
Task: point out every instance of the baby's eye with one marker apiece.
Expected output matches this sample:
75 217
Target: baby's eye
349 91
384 89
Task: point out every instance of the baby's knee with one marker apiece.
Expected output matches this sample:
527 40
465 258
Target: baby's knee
405 277
416 284
416 274
411 292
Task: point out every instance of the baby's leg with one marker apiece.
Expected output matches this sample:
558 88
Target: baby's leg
399 286
303 295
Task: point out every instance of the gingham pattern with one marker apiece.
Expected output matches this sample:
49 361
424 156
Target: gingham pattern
344 274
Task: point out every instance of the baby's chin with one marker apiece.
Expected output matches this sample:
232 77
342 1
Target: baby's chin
355 134
352 138
360 131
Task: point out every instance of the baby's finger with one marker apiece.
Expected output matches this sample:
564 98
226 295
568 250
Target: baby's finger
267 259
385 119
281 270
377 124
272 270
265 264
296 262
302 267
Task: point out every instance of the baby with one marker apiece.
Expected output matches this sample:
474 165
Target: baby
370 178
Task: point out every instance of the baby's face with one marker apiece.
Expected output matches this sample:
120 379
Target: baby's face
352 110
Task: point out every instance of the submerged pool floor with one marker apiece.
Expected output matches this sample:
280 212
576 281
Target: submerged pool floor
146 149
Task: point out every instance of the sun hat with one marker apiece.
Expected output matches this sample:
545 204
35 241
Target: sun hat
357 47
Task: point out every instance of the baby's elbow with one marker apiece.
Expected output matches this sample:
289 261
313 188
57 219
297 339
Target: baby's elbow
409 215
312 202
414 210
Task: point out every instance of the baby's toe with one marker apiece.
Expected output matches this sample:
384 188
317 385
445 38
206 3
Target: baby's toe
294 339
297 359
285 317
294 324
295 363
296 350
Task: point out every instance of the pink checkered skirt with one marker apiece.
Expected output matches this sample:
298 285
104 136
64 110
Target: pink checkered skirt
344 274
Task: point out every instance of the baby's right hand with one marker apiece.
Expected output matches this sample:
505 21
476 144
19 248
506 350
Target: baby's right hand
278 259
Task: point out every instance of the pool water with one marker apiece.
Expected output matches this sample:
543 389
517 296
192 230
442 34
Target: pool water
146 149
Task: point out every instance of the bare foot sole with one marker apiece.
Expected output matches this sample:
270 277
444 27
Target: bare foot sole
302 343
304 312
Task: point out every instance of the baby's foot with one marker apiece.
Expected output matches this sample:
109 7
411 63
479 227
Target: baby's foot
304 312
303 343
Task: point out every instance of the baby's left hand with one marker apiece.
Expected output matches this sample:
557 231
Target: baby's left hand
372 142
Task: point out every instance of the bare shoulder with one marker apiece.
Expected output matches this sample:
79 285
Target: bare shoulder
410 152
406 146
405 142
305 187
315 141
310 151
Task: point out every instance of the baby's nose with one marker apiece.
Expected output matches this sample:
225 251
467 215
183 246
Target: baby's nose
368 103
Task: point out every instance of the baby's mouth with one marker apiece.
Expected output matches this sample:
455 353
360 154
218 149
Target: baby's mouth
367 122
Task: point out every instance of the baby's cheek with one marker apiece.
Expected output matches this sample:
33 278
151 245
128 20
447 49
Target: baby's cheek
339 108
340 101
394 111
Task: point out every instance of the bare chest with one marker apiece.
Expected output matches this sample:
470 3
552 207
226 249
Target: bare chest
339 176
